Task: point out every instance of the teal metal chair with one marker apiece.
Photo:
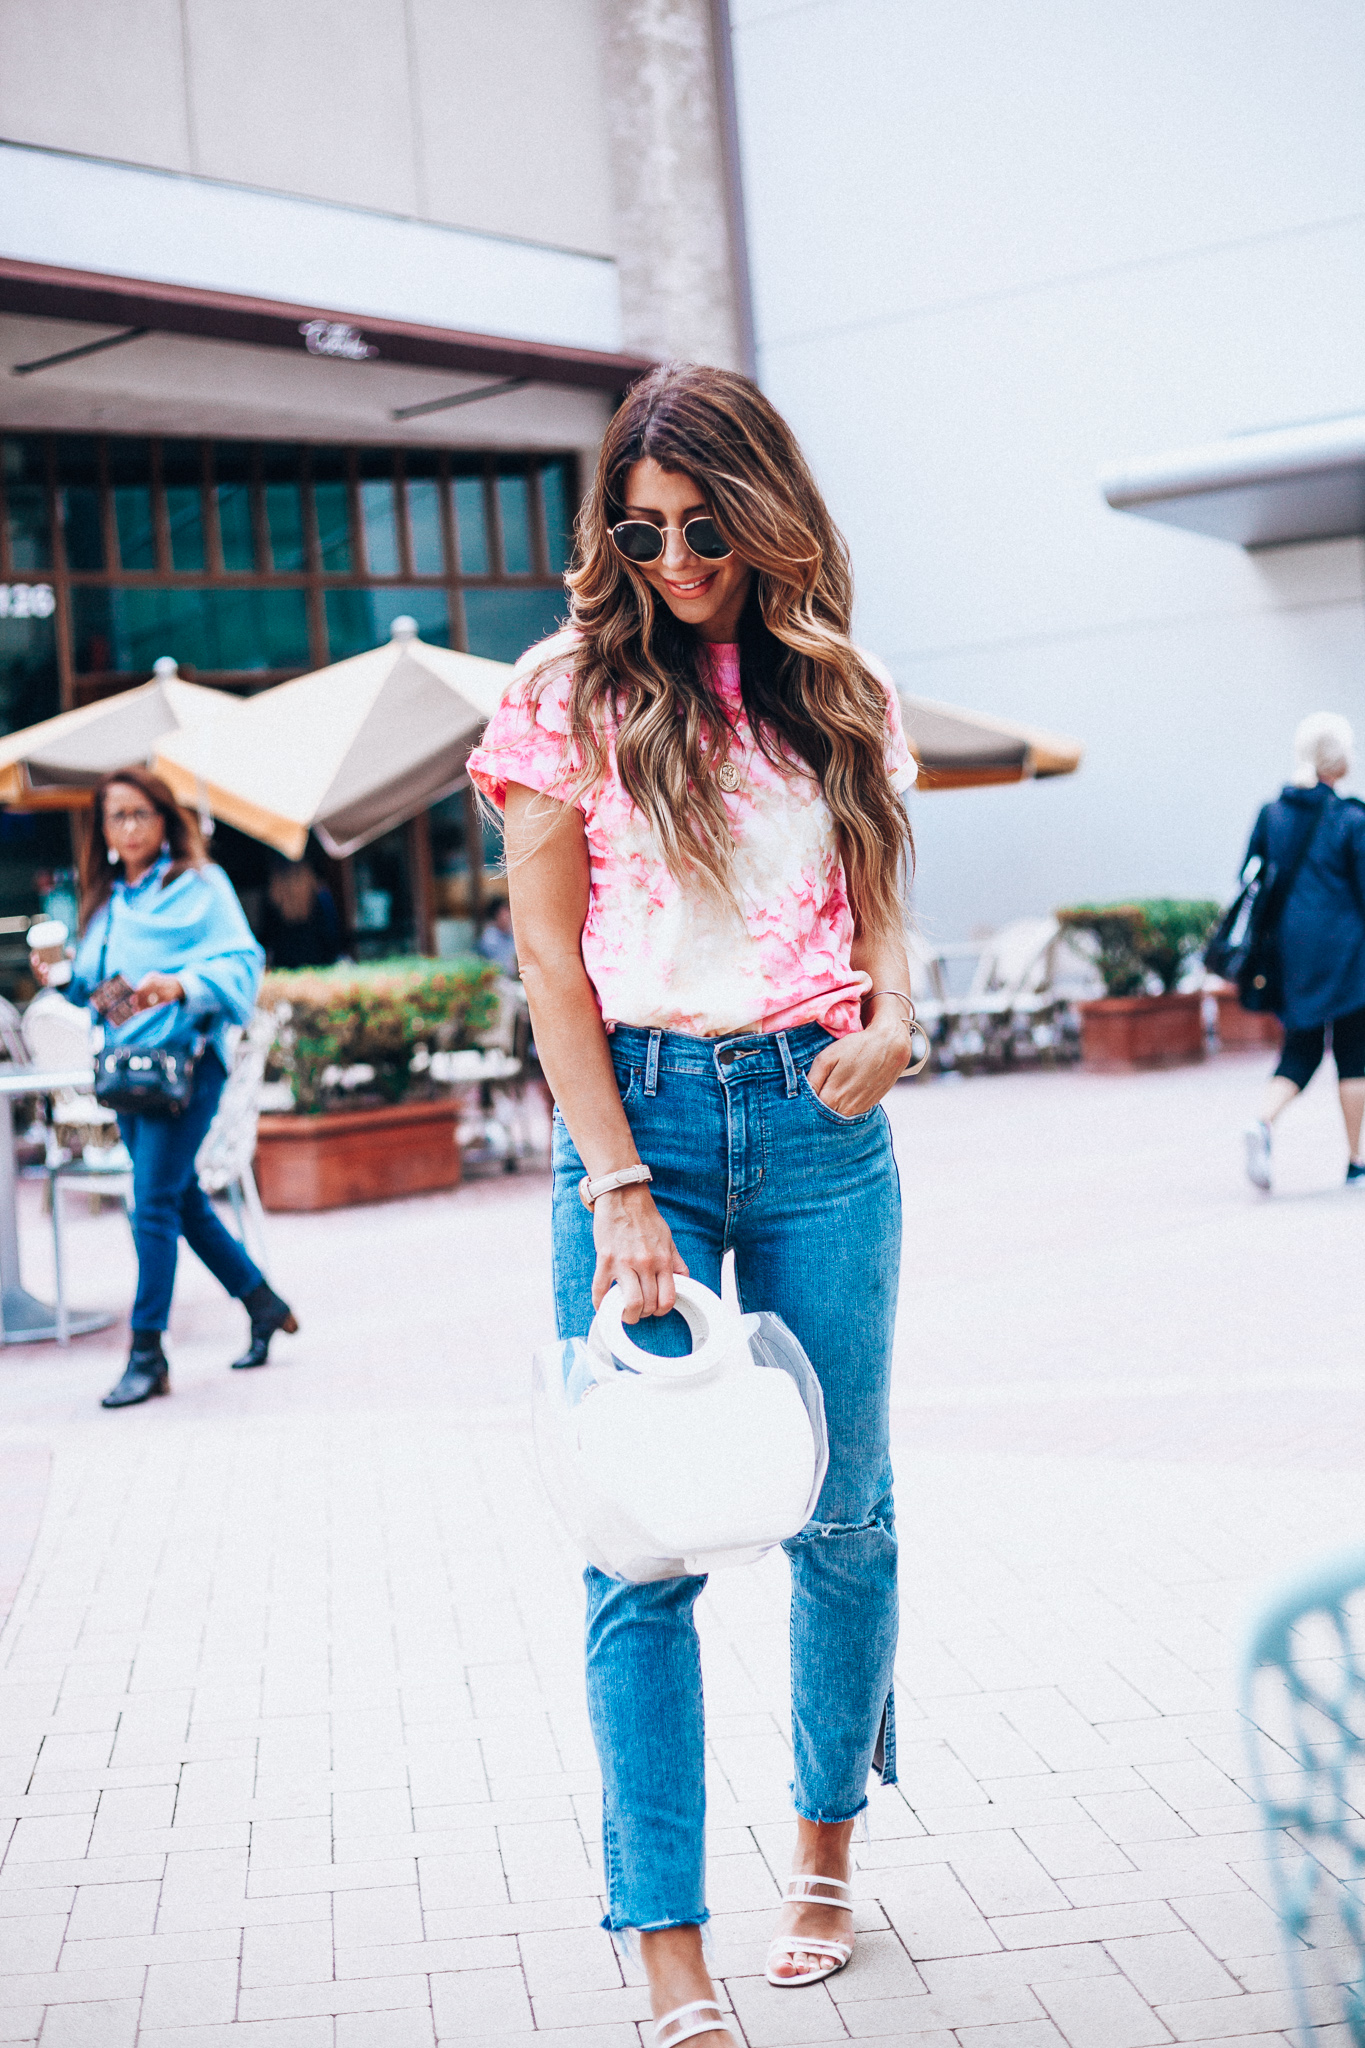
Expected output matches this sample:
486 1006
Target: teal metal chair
1303 1699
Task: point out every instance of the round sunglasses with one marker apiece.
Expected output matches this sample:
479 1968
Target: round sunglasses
640 541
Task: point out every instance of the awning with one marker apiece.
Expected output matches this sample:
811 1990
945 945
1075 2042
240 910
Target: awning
1260 490
959 749
145 251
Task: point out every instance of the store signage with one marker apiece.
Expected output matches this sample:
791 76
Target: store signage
334 338
27 601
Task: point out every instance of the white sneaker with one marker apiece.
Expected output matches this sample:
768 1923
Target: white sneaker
1258 1141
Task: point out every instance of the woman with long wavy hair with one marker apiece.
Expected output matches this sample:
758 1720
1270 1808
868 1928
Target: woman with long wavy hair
706 851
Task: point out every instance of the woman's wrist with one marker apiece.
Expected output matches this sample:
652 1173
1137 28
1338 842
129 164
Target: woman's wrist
886 1019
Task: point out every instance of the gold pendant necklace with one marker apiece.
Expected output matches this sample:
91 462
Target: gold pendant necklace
729 777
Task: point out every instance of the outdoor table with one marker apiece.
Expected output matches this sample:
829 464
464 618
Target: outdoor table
23 1318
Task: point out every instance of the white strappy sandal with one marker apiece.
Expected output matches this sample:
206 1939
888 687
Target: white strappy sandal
705 2015
805 1890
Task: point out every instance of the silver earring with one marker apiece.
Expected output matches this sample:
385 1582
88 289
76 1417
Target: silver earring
112 858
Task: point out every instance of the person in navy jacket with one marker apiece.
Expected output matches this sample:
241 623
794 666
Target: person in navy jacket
1322 936
156 911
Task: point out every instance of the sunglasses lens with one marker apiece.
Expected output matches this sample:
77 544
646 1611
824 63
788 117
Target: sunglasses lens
638 541
705 538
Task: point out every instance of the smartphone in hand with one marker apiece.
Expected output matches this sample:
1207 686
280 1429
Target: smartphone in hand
115 1000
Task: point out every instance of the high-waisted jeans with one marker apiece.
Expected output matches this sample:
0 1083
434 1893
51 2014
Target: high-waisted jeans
168 1202
745 1156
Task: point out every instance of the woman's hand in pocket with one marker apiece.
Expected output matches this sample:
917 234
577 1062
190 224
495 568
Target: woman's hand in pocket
635 1250
852 1075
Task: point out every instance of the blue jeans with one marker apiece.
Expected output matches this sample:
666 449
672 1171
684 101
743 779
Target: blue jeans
745 1155
170 1204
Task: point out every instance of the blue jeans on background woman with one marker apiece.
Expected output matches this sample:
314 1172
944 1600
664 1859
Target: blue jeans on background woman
745 1156
170 1204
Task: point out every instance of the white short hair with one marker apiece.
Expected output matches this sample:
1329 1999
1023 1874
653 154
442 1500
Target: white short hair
1323 745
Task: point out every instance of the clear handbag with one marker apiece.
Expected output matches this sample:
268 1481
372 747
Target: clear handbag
662 1467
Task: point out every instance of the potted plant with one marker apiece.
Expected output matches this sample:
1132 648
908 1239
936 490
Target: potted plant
1239 1028
352 1050
1142 951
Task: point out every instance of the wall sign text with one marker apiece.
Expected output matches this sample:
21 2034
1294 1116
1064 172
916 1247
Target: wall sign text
334 338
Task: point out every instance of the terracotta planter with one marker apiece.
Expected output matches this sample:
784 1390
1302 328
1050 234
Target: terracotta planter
1238 1027
1142 1031
356 1155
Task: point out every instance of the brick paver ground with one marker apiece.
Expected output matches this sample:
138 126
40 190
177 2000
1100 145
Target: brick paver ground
293 1751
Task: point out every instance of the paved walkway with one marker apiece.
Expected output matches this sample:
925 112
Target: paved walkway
293 1751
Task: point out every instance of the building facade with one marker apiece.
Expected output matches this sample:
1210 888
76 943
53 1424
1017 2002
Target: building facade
313 316
999 253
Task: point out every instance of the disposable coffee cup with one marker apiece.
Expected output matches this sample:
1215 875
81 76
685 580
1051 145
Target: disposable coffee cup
48 940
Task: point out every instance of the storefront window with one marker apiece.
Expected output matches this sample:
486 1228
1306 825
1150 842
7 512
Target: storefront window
424 515
514 517
496 620
283 508
131 479
217 630
232 496
384 924
182 471
357 619
555 500
332 506
78 501
472 520
378 514
250 562
261 560
23 477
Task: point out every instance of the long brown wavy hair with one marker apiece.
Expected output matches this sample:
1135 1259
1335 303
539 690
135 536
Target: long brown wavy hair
638 672
180 830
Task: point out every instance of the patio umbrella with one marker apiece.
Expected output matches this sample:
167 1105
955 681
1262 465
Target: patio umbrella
959 749
347 752
55 764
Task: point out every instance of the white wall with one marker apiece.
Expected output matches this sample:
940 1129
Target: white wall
478 116
997 248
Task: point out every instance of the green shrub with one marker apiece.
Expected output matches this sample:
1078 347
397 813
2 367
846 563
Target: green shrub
1115 929
376 1015
1158 936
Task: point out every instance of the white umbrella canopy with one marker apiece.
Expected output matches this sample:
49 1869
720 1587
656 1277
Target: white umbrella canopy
347 752
56 763
959 749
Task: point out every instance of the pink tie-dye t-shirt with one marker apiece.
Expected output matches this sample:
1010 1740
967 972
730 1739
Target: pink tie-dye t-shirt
672 959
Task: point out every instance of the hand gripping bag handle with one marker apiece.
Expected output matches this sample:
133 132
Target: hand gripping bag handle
717 1329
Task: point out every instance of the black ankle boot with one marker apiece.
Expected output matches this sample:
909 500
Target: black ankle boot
145 1374
268 1314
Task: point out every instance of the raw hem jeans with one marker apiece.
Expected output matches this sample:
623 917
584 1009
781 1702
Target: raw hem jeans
746 1156
168 1202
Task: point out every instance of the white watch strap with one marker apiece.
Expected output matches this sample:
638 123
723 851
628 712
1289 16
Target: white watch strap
625 1177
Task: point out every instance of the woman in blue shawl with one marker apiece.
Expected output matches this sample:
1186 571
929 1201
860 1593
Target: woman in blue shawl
154 910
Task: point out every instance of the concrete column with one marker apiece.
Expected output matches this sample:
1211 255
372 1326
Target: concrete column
667 138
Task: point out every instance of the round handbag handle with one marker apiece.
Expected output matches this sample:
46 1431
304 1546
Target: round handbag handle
713 1324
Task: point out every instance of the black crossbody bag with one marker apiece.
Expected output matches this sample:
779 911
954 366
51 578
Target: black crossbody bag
1245 947
144 1081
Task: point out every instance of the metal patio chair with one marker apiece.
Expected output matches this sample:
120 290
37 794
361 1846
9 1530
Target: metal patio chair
59 1035
926 992
223 1162
1303 1699
1009 1009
